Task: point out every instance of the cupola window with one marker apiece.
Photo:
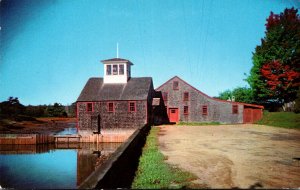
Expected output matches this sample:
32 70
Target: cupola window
115 69
121 69
108 69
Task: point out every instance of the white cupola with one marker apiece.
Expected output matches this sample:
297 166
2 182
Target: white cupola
116 70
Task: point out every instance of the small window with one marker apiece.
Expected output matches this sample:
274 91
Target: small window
115 69
185 110
235 109
121 69
110 107
89 107
186 96
175 85
108 69
132 107
204 110
165 96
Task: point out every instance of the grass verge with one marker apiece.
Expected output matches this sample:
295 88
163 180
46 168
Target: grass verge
154 173
281 119
198 123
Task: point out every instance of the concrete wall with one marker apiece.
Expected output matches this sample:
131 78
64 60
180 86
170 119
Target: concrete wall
119 170
218 111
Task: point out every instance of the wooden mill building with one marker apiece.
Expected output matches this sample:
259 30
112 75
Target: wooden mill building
186 103
116 101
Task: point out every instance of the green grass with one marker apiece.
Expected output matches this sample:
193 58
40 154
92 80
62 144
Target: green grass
154 173
281 119
198 123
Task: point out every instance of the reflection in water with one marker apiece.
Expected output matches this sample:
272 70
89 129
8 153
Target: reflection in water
50 166
90 156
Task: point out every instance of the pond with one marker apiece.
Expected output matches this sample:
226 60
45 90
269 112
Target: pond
50 166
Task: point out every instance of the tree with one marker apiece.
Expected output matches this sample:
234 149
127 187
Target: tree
71 110
280 80
36 111
12 107
225 95
56 110
243 94
274 76
239 94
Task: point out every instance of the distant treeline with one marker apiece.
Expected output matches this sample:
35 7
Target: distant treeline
13 107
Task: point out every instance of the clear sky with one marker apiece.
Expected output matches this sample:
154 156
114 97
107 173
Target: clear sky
50 48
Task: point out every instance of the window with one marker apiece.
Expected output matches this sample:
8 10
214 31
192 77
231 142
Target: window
89 107
186 96
108 69
175 85
165 96
121 69
110 107
235 109
185 110
132 107
204 110
115 69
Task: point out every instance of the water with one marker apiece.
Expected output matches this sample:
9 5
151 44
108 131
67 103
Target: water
48 166
68 131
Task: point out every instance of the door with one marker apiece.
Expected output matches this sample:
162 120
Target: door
96 124
248 115
173 114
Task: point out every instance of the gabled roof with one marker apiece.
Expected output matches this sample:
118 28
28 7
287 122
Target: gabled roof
117 60
245 104
134 89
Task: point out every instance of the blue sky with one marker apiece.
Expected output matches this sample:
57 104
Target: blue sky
49 48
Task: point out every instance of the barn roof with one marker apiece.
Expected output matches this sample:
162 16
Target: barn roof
120 60
134 89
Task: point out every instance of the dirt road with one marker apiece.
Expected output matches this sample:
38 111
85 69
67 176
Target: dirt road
228 156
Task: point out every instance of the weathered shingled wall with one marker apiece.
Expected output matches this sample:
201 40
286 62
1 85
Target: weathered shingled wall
120 118
217 111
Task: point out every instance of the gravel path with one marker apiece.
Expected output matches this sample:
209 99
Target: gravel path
228 156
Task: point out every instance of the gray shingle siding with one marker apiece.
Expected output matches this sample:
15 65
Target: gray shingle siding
218 111
120 118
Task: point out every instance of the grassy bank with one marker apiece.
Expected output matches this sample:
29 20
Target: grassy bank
281 119
154 173
19 124
198 123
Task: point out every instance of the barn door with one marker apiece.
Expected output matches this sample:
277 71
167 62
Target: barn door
248 116
173 114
